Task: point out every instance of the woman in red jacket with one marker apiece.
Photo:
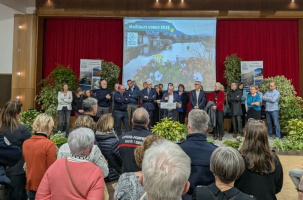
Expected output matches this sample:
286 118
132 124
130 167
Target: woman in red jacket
218 97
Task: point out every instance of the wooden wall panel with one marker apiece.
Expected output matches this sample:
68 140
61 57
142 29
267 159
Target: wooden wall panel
24 60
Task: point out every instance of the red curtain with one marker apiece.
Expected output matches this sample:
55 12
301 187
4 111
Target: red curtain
66 41
273 41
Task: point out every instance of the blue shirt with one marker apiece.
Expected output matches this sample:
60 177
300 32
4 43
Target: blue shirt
272 99
251 99
180 109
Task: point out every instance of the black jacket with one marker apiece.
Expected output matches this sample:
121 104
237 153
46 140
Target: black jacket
121 101
212 192
234 101
184 100
199 151
17 137
128 143
77 102
100 95
261 186
108 145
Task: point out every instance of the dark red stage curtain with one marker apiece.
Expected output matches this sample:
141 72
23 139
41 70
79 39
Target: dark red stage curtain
273 41
66 41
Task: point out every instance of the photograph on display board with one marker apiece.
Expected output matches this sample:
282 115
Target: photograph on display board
90 74
164 50
251 73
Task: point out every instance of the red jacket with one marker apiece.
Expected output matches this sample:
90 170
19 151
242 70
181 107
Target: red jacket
220 99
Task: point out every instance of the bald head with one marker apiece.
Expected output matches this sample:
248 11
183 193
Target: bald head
149 84
140 117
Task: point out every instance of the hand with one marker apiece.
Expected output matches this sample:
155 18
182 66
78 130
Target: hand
80 111
215 107
257 103
158 100
145 97
196 107
127 88
179 105
107 96
166 98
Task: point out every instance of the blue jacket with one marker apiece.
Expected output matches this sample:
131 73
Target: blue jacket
199 151
134 95
148 102
251 99
201 100
100 95
108 145
121 101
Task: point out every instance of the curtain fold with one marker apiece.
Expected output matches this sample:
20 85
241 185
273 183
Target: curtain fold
276 42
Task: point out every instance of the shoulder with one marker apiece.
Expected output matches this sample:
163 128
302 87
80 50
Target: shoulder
243 196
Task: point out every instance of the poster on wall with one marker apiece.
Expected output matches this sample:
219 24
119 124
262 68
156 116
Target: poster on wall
90 74
251 73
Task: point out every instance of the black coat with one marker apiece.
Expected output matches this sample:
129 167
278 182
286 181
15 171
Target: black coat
108 145
184 100
199 151
77 102
234 102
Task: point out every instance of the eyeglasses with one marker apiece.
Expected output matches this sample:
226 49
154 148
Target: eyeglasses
252 120
298 190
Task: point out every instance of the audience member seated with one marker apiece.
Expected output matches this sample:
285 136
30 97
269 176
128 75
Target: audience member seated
90 107
96 157
227 165
199 150
16 134
165 171
39 153
129 141
74 177
108 144
85 121
263 175
129 187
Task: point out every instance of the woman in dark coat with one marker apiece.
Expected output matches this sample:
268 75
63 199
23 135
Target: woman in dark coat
77 102
108 144
184 99
16 134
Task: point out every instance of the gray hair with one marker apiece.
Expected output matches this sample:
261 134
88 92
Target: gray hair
140 117
227 164
88 104
198 120
165 169
80 141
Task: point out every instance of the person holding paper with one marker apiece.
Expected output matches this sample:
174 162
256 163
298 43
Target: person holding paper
171 97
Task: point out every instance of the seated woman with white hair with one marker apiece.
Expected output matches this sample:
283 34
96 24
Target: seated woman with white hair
74 177
95 156
227 165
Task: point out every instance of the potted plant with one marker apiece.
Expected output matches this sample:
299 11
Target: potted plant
51 85
59 139
232 71
28 117
110 72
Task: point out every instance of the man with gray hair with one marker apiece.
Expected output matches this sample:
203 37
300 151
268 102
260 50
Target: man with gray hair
199 150
170 97
130 140
165 171
90 107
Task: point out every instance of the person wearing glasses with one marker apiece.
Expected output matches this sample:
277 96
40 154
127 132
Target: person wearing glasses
271 97
197 97
253 104
263 175
148 96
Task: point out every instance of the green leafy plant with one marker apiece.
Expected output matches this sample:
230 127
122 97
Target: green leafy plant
170 130
28 117
232 71
290 105
59 139
231 143
210 140
110 72
51 85
286 145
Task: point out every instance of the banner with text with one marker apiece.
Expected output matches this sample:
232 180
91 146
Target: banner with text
251 73
90 74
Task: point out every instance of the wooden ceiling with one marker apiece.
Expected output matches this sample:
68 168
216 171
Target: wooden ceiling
162 8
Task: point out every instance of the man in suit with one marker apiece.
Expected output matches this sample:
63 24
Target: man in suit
197 97
133 94
120 110
148 96
170 97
